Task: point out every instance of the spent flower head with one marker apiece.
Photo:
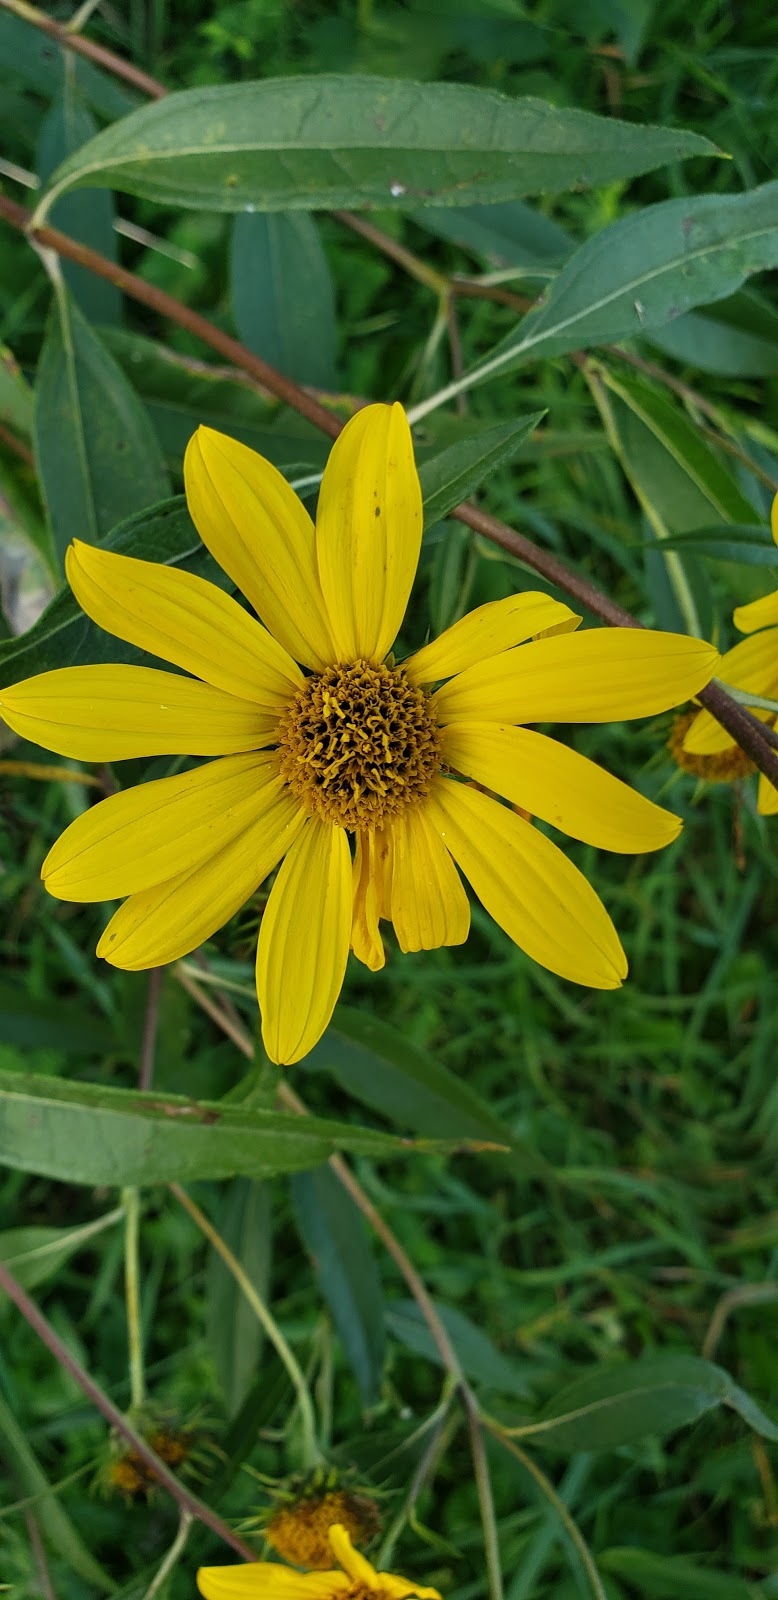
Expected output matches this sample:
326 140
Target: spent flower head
325 746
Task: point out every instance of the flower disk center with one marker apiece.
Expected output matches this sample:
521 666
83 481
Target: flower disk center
359 744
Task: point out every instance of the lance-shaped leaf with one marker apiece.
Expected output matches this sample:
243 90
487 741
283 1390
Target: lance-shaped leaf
341 140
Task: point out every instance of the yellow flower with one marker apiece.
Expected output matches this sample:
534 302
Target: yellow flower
265 1580
352 745
751 665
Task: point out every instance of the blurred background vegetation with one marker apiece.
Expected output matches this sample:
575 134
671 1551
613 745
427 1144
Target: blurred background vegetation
638 1214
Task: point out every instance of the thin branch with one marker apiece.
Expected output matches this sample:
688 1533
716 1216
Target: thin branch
11 442
150 1026
39 1555
85 47
140 1447
176 1549
547 1488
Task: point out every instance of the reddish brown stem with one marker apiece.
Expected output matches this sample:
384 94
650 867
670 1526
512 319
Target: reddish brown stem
160 1472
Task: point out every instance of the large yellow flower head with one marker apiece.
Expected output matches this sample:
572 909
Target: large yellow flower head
266 1580
752 666
321 740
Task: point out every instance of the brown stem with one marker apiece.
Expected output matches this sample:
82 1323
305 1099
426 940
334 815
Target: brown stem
150 1025
727 712
39 1555
160 1472
85 47
11 442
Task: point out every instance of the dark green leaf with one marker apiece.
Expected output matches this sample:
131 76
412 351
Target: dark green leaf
86 217
617 1404
450 477
509 235
35 1024
644 271
56 1526
283 299
480 1358
234 1335
673 1577
16 397
329 140
334 1234
98 459
750 543
40 63
82 1133
736 338
63 636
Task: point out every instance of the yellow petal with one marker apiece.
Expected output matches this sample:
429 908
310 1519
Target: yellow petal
759 614
368 531
370 857
144 836
558 785
488 631
601 675
304 942
167 922
267 1580
767 800
530 888
261 535
109 713
429 904
774 518
185 620
357 1566
751 665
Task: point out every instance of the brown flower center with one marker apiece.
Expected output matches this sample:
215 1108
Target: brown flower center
721 766
359 744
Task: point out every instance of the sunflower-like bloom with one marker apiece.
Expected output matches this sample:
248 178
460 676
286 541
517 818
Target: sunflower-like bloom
266 1580
751 665
321 738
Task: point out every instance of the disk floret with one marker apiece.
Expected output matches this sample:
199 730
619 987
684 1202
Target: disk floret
359 744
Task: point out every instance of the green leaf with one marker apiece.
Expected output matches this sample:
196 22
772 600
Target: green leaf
35 1024
98 459
480 1358
56 1526
735 338
180 393
16 397
82 1133
618 1404
509 235
34 1254
386 1071
340 140
234 1335
644 271
750 543
673 1577
40 63
455 473
283 298
63 635
333 1232
86 217
709 486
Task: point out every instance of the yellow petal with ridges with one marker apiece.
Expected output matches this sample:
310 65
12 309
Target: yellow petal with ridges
559 786
530 888
185 620
368 531
751 665
304 942
266 1580
260 533
366 1578
146 835
429 905
600 675
488 631
767 798
110 713
758 614
167 922
371 849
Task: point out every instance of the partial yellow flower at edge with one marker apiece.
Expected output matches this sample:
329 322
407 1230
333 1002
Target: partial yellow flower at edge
266 1580
351 753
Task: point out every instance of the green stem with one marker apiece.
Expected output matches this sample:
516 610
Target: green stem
547 1489
311 1451
131 1203
485 1500
176 1549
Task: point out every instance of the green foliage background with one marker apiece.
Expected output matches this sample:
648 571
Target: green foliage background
630 1229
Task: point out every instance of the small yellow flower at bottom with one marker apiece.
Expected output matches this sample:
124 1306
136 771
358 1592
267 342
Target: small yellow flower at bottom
266 1580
